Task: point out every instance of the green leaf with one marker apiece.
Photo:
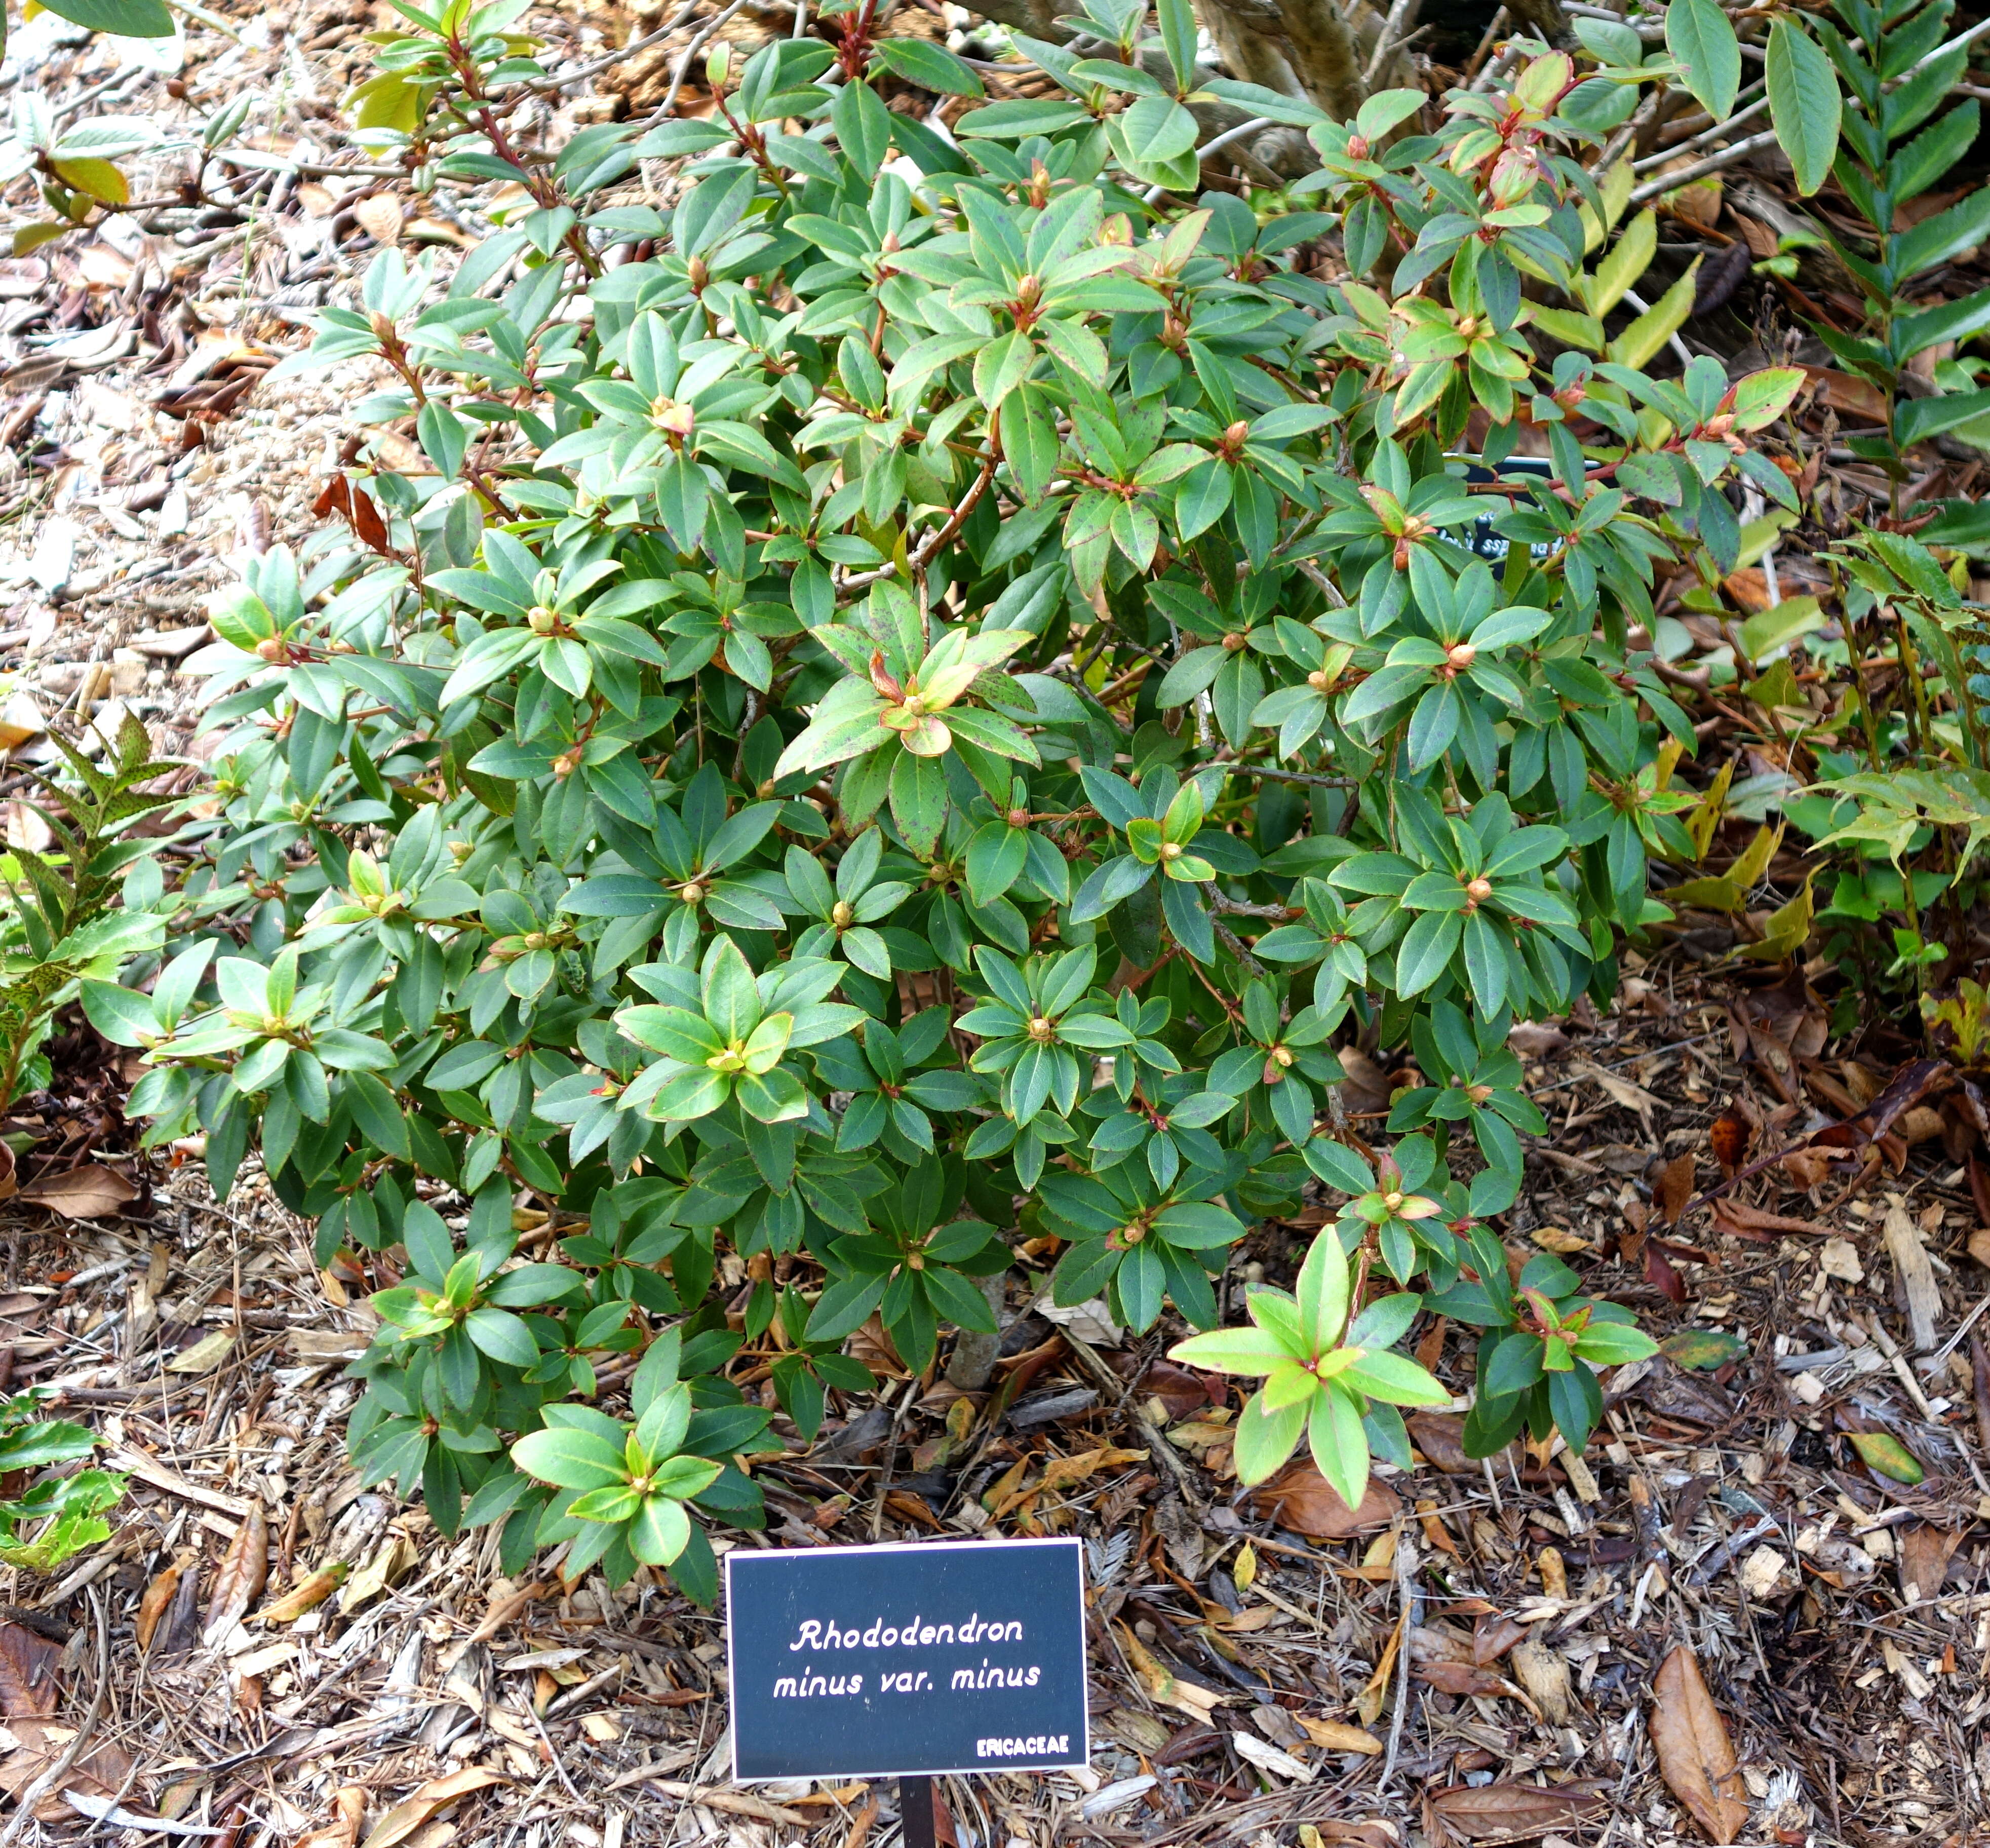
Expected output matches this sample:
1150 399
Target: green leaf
1242 1350
1339 1444
1322 1292
569 1458
1265 1438
660 1532
1769 630
1804 102
1702 43
124 18
929 65
918 800
1156 130
1177 22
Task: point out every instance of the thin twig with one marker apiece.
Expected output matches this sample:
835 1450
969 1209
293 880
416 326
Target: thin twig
1406 1589
690 51
545 86
1713 164
1387 40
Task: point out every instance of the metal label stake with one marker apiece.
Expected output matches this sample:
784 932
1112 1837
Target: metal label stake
916 1811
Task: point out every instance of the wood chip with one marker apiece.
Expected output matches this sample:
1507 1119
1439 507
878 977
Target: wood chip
1920 1294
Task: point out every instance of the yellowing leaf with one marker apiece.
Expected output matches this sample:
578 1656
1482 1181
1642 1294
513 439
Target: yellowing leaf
1769 630
386 101
206 1354
1645 338
99 179
1888 1455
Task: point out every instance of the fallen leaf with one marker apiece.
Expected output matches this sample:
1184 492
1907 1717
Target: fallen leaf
156 1602
93 1191
1730 1136
1658 1272
392 1563
1368 1703
1494 1636
1372 1832
306 1596
1336 1735
102 1808
1848 395
1300 1498
1731 1217
1511 1811
1179 1390
380 217
30 1696
1979 1246
206 1354
348 1811
1440 1435
429 1801
1674 1187
1161 1682
27 1673
1925 1552
1537 1039
1559 1240
1882 1452
1463 1678
1255 1751
238 1580
1706 1349
1696 1756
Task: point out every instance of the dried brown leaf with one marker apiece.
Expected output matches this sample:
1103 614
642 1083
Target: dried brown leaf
348 1811
1696 1756
1730 1136
1511 1811
27 1673
1299 1498
239 1581
381 217
1463 1678
156 1602
1676 1187
1336 1735
434 1797
307 1594
1925 1552
91 1192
